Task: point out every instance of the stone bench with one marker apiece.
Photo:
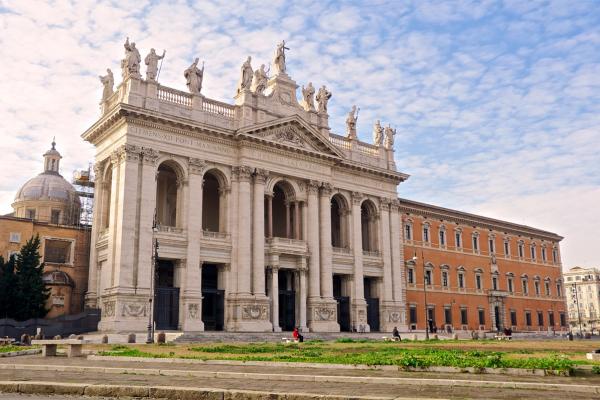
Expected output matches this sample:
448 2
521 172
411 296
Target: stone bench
503 337
391 339
74 346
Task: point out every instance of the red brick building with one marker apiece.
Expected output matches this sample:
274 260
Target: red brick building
482 273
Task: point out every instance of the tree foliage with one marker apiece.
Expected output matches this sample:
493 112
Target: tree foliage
23 293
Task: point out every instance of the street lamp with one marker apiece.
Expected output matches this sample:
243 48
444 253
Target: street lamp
424 293
150 337
577 304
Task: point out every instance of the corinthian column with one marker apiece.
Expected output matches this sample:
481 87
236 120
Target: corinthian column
258 233
359 306
244 248
313 241
325 233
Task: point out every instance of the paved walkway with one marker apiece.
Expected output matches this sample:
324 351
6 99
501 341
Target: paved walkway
350 383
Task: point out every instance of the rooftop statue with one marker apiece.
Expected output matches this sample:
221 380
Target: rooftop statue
194 76
279 60
130 65
323 97
308 95
108 81
246 77
351 123
377 133
389 137
259 83
151 61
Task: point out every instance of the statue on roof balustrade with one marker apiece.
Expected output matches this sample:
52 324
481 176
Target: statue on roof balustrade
279 59
351 123
323 96
151 61
193 76
377 133
246 76
259 82
130 65
108 82
308 95
389 137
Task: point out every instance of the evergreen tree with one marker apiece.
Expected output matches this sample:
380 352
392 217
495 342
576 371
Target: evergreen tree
32 292
8 288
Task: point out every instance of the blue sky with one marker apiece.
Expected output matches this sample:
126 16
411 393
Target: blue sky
496 103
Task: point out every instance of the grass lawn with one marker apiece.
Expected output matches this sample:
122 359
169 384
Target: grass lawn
549 355
9 348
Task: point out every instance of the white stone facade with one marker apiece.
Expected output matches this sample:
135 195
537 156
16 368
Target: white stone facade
241 198
582 287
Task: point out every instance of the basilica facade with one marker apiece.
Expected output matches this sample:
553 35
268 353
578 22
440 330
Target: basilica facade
250 216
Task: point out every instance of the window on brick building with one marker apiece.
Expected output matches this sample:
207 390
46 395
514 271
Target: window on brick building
521 249
14 237
464 317
544 257
481 313
558 290
513 318
536 285
524 287
506 248
428 277
492 245
494 283
555 255
448 315
563 320
426 233
532 251
442 236
55 217
461 280
408 232
30 213
478 281
411 275
550 318
476 243
547 287
413 314
445 279
57 251
431 314
509 282
458 239
527 318
540 316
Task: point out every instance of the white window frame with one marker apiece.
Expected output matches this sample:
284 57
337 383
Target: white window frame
475 242
408 231
544 255
492 244
410 275
510 284
521 249
442 236
460 280
533 251
507 247
525 286
478 281
426 232
458 244
14 237
71 250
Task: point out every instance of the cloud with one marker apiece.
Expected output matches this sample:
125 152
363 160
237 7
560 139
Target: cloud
497 103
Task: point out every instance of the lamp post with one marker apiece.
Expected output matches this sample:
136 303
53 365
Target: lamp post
424 293
150 337
577 304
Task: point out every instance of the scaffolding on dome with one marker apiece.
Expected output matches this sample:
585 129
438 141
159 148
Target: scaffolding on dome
83 181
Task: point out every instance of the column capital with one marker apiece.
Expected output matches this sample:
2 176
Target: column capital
260 176
196 166
98 170
385 204
312 187
326 189
243 173
395 205
149 155
357 198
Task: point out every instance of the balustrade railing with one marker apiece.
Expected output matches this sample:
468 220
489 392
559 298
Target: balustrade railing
169 229
339 141
368 149
280 240
341 250
174 96
215 235
372 253
217 107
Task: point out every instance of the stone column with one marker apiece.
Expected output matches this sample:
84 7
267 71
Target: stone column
303 296
397 267
325 241
288 227
275 299
359 305
270 215
297 220
258 233
91 296
387 306
314 289
244 248
191 299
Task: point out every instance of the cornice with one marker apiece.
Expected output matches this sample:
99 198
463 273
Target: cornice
431 211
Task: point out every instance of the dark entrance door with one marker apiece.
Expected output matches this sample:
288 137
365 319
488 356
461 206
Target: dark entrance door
166 307
343 311
343 304
497 318
373 313
287 301
213 299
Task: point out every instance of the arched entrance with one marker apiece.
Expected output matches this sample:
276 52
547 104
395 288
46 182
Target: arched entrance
167 195
283 213
339 222
213 202
368 218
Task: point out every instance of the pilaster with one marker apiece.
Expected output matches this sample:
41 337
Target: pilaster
358 303
258 230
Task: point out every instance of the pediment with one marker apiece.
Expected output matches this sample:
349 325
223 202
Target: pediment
293 132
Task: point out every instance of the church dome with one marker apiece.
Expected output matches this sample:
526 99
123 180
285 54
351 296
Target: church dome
48 197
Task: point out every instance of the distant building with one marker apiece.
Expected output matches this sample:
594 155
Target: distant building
583 298
481 273
48 205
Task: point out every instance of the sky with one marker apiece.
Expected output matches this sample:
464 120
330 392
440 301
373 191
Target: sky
496 103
